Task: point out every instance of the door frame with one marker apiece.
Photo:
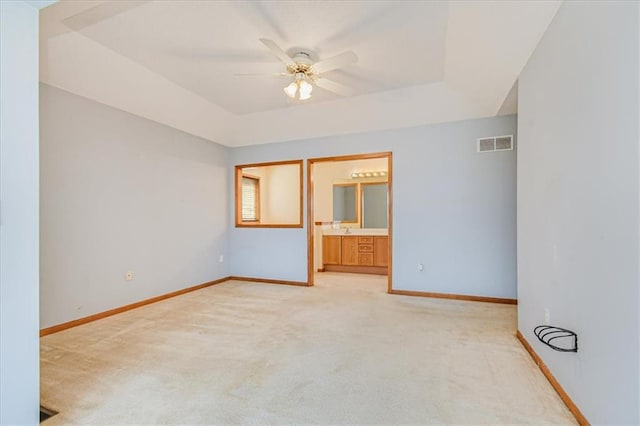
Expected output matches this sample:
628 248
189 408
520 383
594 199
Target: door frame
310 208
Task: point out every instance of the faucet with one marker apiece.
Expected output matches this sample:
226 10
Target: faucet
347 230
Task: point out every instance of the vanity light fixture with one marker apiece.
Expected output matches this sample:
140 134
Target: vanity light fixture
357 175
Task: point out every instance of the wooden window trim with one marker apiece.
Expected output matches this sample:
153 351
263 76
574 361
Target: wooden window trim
238 199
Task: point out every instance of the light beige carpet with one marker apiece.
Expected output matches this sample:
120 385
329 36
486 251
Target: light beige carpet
341 352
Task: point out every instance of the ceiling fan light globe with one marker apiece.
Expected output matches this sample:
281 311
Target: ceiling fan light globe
305 86
291 90
305 90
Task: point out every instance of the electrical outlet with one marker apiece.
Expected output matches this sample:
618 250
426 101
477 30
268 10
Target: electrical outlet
128 276
420 267
547 316
221 258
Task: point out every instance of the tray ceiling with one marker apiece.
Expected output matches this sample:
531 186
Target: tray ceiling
176 61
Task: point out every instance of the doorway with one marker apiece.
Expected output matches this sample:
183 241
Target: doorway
374 175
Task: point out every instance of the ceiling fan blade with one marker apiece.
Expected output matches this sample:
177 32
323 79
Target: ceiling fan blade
271 45
338 61
334 87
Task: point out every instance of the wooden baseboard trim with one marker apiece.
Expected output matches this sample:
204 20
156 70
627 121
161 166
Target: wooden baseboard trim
357 269
270 281
582 420
110 312
455 296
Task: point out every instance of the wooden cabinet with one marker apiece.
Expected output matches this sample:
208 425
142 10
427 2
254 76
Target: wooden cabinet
331 250
349 251
356 253
381 251
365 259
365 251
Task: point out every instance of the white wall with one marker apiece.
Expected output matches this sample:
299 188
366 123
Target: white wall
283 201
578 203
19 359
121 193
454 209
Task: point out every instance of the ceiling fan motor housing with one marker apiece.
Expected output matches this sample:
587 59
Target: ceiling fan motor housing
303 64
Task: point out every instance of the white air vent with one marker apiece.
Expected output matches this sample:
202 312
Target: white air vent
495 143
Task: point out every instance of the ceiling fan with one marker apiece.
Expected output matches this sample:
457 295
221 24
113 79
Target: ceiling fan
307 73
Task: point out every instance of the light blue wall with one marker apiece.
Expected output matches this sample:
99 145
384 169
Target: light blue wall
578 203
453 209
121 193
19 365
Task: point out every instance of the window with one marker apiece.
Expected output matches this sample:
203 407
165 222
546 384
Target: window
250 198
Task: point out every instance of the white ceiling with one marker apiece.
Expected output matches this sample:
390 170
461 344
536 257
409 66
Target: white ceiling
420 62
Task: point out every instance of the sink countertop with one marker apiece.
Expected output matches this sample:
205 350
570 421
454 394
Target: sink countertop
356 231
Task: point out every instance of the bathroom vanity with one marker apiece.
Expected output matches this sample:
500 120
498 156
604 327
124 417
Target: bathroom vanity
360 250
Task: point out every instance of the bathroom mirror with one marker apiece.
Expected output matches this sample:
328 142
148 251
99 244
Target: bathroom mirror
374 205
345 202
269 195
